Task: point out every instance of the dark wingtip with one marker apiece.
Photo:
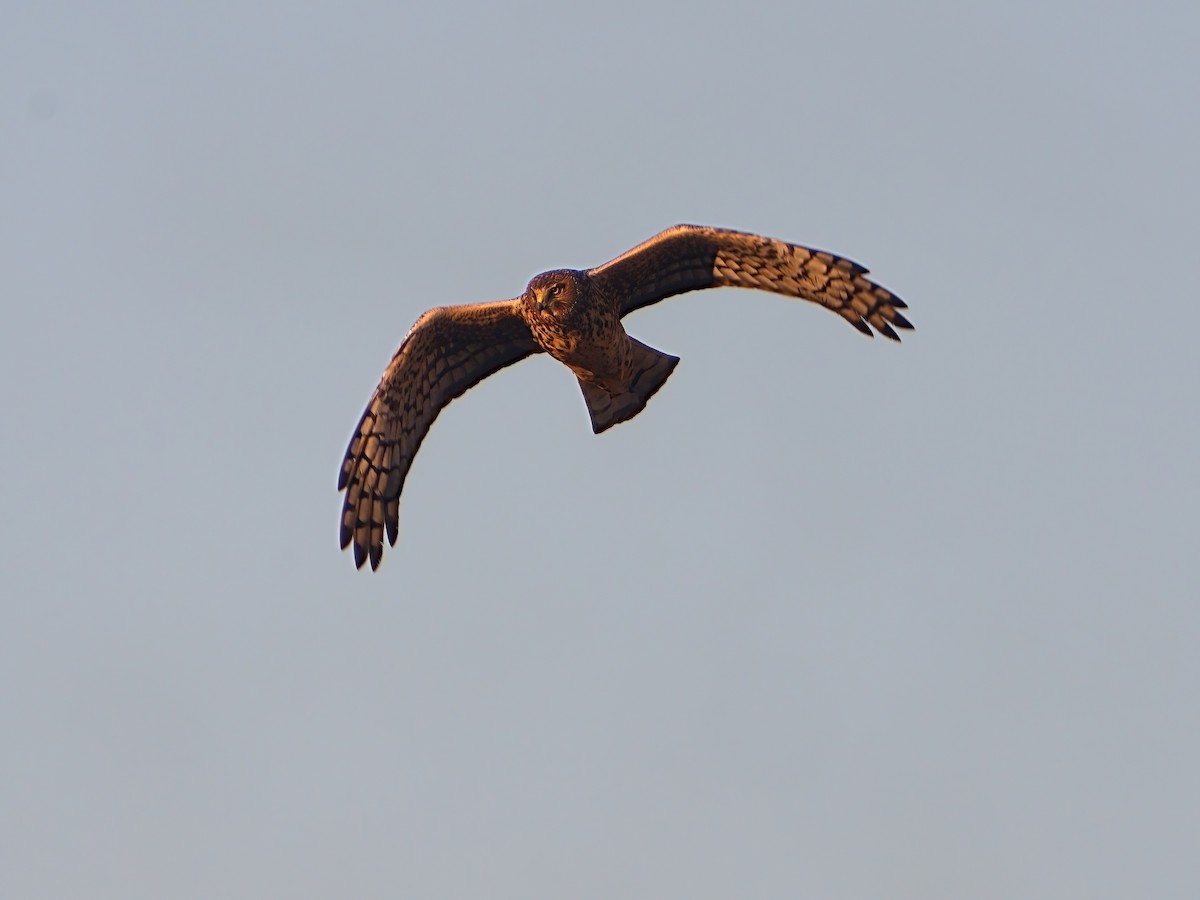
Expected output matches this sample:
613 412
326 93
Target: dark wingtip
360 555
376 556
886 330
900 322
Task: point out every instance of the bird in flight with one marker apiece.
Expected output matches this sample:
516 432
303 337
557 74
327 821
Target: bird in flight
575 316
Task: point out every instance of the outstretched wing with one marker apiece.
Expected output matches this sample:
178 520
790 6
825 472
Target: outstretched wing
693 257
447 351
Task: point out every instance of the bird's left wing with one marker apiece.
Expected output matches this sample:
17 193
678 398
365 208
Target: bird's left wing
447 351
693 257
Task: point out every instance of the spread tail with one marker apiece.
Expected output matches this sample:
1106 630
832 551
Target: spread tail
651 369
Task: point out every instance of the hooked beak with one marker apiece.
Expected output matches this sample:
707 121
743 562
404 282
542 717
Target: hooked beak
541 300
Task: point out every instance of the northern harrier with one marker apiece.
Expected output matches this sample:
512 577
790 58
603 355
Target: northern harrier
575 316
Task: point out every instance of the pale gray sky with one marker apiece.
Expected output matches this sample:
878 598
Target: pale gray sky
839 618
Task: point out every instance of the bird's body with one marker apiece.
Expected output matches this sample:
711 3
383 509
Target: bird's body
575 317
572 321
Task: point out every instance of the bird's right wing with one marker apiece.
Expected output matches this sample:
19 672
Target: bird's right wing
447 351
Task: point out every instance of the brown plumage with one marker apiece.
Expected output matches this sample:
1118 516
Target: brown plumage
575 316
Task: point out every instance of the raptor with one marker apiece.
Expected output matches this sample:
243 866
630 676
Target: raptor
576 317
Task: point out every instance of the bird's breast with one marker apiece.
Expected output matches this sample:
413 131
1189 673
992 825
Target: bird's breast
554 337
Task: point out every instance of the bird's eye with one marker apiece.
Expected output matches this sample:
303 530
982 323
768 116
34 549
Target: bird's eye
556 290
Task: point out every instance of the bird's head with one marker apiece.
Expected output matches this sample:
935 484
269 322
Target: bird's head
553 293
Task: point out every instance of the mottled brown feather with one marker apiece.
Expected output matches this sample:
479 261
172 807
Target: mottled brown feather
694 257
447 351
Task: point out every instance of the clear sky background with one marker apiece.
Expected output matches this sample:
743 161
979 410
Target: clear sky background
833 618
